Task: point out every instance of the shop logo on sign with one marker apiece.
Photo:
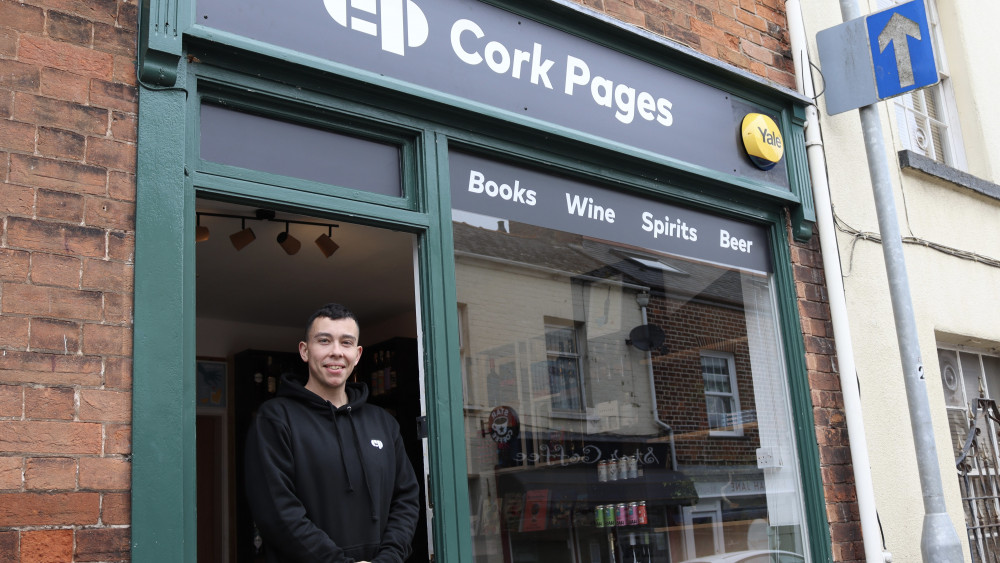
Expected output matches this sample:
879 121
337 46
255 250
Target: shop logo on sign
503 425
401 23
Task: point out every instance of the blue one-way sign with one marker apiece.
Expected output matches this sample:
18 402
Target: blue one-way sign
901 49
875 57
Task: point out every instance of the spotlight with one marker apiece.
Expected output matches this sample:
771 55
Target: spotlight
290 244
200 233
326 244
243 237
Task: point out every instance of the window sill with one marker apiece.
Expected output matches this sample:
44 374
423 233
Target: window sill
920 163
712 435
573 415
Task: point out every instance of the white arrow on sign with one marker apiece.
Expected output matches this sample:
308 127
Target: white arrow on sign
896 31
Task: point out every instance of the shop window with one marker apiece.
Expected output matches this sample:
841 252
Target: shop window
721 397
971 382
564 367
589 361
966 376
284 148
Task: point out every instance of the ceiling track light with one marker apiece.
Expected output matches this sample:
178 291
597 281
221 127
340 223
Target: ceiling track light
288 243
201 233
326 244
243 237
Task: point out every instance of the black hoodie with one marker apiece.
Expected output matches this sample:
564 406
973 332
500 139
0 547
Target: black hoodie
329 484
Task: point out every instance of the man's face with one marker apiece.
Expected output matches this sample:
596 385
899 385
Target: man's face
331 352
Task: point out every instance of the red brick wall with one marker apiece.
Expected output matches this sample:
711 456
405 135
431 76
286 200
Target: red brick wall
67 212
828 404
749 34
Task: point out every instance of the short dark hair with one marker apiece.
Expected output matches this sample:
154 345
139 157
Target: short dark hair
333 311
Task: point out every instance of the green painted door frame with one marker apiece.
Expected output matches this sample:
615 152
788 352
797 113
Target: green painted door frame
170 173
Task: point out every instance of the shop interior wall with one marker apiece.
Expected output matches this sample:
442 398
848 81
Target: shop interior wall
220 338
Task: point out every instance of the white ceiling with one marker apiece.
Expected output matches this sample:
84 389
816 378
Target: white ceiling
371 273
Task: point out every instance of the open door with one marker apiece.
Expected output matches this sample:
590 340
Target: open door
260 275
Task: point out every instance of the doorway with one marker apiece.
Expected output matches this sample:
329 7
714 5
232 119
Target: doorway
260 274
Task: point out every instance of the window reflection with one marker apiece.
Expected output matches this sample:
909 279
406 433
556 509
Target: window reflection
621 404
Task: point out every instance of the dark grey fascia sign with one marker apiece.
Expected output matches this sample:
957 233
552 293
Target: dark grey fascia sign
876 57
506 192
478 52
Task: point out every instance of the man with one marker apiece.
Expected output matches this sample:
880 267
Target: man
327 475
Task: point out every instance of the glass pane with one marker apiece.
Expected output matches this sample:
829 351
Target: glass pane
958 427
704 535
719 412
584 392
561 340
715 365
991 367
564 383
297 151
717 384
950 379
971 374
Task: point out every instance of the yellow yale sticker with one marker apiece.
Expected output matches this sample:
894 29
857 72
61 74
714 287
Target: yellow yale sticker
762 140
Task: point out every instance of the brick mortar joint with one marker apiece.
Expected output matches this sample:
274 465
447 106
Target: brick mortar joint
54 221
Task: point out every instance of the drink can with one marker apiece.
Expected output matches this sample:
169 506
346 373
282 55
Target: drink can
633 514
612 471
602 472
609 515
641 513
623 467
633 466
620 516
599 516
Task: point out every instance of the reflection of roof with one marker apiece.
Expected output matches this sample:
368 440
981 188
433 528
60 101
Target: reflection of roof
531 246
579 255
682 277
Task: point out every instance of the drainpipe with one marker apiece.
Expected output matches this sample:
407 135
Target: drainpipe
642 298
870 527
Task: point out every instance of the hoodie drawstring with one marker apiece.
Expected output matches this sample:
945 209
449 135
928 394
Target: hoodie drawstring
364 467
340 444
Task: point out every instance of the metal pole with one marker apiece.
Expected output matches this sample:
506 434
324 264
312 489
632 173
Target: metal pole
939 542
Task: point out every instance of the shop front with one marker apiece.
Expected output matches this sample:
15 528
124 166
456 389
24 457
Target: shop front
604 361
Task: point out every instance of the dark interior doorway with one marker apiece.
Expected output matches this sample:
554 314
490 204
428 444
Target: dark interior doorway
252 304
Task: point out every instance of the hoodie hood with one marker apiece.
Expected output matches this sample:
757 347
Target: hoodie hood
293 386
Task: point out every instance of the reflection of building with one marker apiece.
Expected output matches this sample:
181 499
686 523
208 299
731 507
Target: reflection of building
607 351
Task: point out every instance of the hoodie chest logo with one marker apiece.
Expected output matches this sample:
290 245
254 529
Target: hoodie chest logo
377 444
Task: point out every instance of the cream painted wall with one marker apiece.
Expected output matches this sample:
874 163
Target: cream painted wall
970 33
953 299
